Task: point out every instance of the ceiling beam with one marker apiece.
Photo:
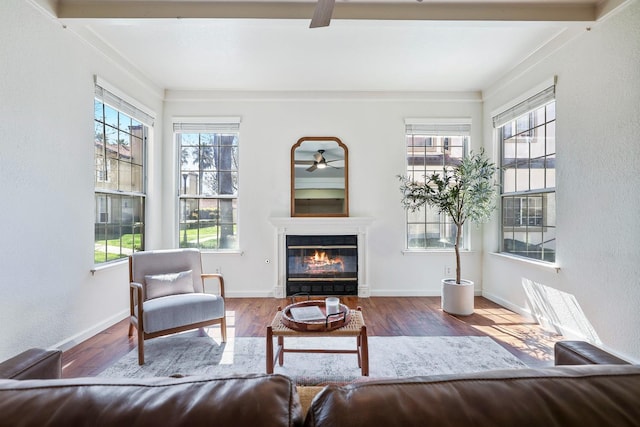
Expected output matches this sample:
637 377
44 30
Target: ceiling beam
437 11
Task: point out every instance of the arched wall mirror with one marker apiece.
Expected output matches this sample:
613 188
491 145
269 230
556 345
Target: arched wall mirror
319 177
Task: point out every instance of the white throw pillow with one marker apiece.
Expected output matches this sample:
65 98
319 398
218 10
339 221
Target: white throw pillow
160 285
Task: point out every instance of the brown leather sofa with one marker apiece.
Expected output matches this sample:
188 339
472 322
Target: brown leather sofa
597 395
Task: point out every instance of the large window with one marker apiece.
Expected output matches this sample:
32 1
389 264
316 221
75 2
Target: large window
431 147
208 185
120 137
527 140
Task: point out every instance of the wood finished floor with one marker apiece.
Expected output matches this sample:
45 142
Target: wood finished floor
384 316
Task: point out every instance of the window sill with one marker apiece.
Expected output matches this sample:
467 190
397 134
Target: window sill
222 251
108 265
434 251
546 265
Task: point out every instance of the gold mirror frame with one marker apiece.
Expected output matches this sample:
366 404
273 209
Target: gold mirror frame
328 200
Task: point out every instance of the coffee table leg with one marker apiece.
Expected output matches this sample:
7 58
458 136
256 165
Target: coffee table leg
280 350
270 360
364 349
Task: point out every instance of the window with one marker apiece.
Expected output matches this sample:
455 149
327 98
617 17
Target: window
432 146
527 139
208 184
120 139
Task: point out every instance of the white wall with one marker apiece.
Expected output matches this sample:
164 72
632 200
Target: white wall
596 292
48 296
372 127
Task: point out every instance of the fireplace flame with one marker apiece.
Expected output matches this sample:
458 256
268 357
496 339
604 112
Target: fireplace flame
321 261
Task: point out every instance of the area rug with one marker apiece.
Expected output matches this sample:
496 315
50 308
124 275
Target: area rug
389 357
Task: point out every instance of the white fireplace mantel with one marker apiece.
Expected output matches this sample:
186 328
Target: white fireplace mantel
318 226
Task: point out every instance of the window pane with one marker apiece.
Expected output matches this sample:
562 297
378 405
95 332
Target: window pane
522 176
416 236
206 160
124 177
550 163
537 174
549 244
189 158
228 215
137 149
416 216
124 146
112 174
551 111
537 145
111 139
124 123
101 171
229 183
549 209
137 178
551 138
539 116
522 123
209 184
111 116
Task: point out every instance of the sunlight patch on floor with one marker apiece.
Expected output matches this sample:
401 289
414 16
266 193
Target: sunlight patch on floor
507 327
229 347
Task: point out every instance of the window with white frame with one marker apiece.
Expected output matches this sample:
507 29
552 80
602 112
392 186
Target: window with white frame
120 138
208 184
432 146
526 134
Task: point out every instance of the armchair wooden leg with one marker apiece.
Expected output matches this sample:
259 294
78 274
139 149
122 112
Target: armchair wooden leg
130 329
140 347
223 329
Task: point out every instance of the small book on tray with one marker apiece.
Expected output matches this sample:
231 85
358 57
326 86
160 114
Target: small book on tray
311 312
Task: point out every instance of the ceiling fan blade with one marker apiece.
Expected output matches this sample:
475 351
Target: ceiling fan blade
304 162
312 168
318 156
322 13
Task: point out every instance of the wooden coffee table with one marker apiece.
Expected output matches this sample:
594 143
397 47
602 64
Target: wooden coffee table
355 328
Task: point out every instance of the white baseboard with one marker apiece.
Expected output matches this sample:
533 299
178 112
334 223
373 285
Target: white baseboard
68 343
250 294
410 293
507 304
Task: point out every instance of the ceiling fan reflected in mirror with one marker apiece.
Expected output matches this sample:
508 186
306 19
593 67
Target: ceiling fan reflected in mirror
318 162
322 13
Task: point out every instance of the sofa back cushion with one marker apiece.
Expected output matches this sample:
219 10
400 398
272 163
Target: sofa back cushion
251 400
581 396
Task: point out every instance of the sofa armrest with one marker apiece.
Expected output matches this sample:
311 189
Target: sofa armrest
35 363
583 353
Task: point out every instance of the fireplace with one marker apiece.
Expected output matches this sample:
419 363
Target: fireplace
322 264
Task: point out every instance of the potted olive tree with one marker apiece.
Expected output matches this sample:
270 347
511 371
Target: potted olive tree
465 192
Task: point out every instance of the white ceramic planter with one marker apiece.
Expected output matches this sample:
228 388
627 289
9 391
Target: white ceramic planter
457 298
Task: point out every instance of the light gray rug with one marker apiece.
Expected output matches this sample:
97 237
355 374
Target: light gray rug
389 357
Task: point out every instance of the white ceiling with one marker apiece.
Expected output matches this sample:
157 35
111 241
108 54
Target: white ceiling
240 53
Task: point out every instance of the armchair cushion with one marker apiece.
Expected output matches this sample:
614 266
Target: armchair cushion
161 285
183 309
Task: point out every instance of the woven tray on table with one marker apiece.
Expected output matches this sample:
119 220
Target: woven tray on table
329 323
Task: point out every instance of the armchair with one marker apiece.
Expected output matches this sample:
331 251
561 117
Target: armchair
167 295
